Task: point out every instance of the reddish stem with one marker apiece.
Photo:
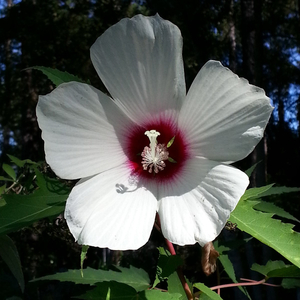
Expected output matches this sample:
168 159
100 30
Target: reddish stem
179 270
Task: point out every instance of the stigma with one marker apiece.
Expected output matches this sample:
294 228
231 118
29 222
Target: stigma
153 157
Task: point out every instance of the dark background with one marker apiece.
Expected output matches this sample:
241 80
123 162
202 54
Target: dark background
257 39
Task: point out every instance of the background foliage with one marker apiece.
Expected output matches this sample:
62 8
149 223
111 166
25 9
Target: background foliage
257 39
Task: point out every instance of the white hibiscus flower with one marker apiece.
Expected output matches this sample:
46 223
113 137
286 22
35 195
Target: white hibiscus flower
119 148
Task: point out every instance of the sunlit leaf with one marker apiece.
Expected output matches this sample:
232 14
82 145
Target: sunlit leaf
276 268
56 76
136 278
21 210
9 171
274 233
10 256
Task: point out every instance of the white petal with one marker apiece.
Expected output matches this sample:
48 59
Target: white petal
191 213
109 210
140 62
224 117
82 129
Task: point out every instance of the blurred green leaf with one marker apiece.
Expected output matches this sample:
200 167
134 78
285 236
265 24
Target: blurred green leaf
207 292
20 163
9 171
56 76
290 283
136 278
46 202
277 235
276 268
10 255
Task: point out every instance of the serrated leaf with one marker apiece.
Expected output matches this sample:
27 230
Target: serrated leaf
20 163
276 268
9 171
207 292
46 202
274 233
136 278
272 208
254 193
277 190
228 266
290 283
110 291
10 256
115 290
56 76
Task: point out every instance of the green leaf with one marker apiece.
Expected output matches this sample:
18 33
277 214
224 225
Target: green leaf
10 256
277 190
82 257
168 263
136 278
159 295
56 76
251 169
20 163
6 179
9 171
277 235
115 290
175 286
290 283
46 202
228 266
110 291
255 193
276 268
272 208
207 292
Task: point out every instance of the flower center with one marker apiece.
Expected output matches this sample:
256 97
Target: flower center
153 156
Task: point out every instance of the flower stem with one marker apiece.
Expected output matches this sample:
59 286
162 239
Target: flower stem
179 270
